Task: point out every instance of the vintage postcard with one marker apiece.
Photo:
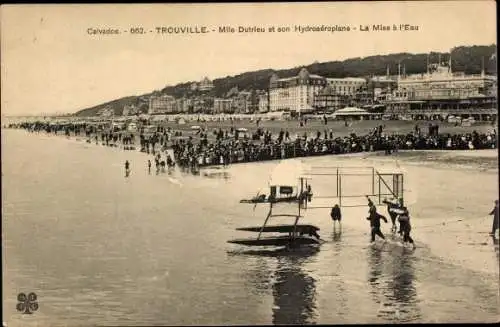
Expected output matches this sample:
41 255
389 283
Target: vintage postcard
249 163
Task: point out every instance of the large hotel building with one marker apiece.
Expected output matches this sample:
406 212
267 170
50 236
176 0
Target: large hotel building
307 92
294 94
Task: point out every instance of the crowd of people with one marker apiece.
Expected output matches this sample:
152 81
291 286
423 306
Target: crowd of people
225 147
229 148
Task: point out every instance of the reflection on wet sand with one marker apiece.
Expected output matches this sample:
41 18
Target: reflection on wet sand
339 301
392 276
215 172
294 291
337 234
217 175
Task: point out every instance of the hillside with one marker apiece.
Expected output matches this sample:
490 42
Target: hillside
467 59
117 106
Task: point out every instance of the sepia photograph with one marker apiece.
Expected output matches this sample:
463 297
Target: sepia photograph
249 163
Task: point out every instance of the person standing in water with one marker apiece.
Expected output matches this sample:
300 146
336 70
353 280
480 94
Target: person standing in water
404 223
374 219
336 215
494 212
309 193
391 205
127 168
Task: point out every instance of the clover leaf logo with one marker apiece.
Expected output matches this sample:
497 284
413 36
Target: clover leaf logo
27 304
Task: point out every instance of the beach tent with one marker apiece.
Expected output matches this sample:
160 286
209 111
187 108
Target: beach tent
352 112
196 127
181 121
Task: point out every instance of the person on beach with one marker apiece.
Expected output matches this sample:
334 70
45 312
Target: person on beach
149 166
309 193
170 162
127 168
374 219
391 205
157 165
336 215
405 226
494 212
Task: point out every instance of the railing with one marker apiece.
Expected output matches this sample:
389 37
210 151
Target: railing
377 178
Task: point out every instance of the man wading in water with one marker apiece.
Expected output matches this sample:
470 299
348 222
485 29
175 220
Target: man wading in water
336 216
127 168
374 219
404 224
390 209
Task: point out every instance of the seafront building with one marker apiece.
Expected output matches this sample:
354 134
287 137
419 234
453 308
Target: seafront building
222 105
346 86
328 99
440 93
201 104
242 103
295 94
162 104
383 87
263 101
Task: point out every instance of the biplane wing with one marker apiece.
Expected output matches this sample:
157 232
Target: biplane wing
280 228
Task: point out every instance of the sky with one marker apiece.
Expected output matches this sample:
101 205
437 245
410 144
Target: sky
51 64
